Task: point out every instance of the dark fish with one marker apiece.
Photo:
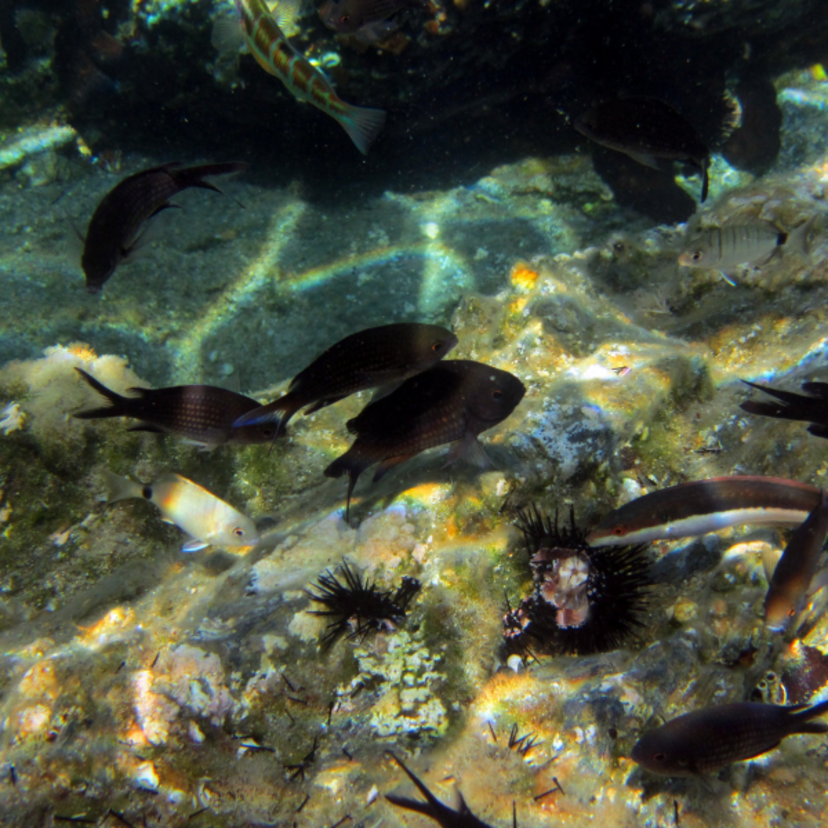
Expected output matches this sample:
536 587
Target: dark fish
703 506
202 414
705 740
432 807
811 409
790 584
373 357
368 19
117 220
453 401
648 130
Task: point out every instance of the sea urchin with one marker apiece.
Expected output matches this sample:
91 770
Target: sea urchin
585 599
358 606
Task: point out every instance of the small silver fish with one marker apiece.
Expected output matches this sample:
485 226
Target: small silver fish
734 245
207 518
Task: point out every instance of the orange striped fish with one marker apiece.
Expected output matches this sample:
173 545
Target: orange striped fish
275 55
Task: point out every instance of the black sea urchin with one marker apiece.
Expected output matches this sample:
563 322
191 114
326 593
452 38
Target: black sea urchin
585 599
359 606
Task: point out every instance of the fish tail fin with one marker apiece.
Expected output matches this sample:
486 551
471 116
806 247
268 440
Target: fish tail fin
120 488
799 239
117 404
802 719
277 412
362 125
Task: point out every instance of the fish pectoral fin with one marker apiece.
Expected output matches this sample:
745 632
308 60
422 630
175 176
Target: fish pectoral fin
389 463
471 450
726 277
286 14
227 35
384 390
194 546
818 582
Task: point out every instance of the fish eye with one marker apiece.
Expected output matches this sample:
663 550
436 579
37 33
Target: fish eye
268 431
238 532
345 19
659 757
696 255
618 246
791 612
497 394
619 530
436 346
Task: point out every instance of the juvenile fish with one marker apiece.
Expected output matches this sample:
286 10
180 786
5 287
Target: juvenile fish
452 402
374 357
443 815
726 248
705 740
369 20
202 414
703 506
812 408
649 131
272 51
793 577
116 223
202 515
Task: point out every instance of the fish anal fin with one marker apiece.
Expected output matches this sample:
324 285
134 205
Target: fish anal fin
323 403
647 160
818 430
816 389
152 429
389 463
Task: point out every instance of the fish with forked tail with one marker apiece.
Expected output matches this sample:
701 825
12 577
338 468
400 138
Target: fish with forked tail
207 518
810 407
705 740
648 130
202 414
261 31
374 357
432 807
452 402
116 223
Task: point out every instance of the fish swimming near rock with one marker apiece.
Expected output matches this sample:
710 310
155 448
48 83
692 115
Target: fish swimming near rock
705 740
202 414
374 357
792 581
811 407
703 506
202 515
728 247
648 130
261 31
369 20
117 221
443 815
452 402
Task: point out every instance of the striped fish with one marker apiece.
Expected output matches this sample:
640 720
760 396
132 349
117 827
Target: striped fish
754 244
269 45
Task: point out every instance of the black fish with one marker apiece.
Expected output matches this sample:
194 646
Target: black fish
201 413
647 130
706 740
117 220
376 356
453 401
432 807
368 19
811 409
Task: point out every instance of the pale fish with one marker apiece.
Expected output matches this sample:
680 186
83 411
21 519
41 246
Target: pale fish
207 518
751 244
